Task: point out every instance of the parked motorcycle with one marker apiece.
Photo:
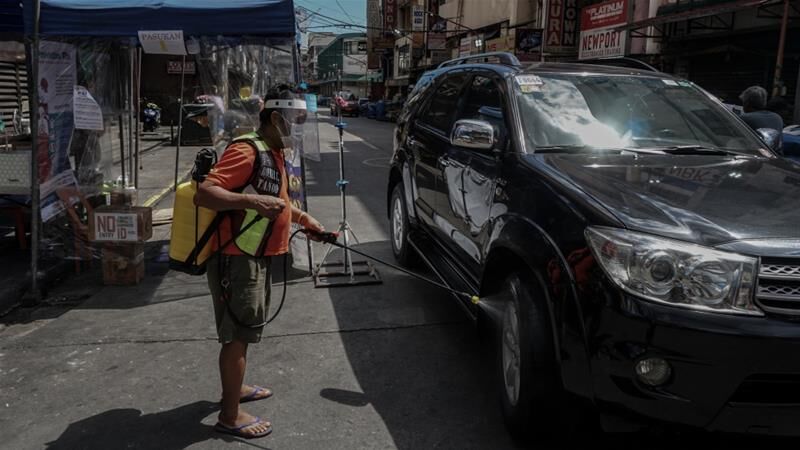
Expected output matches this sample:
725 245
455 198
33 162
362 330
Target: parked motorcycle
152 117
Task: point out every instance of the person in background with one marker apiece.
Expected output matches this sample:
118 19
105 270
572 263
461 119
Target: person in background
754 103
780 106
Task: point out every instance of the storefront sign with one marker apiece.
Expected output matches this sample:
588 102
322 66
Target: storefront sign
501 44
389 14
382 43
175 67
598 37
528 44
465 46
437 36
562 25
164 42
115 227
418 18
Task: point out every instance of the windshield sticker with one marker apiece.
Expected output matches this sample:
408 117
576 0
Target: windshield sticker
529 83
670 82
529 79
685 83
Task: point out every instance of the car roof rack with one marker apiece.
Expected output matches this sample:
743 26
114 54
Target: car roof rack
504 58
630 63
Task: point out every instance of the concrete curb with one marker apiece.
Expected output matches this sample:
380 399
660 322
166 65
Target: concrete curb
155 199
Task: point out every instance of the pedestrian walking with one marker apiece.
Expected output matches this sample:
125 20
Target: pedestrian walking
250 181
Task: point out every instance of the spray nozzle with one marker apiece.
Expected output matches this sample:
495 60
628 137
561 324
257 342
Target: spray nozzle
324 236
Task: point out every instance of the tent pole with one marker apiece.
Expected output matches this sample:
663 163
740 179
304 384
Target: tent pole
180 122
121 119
34 295
777 84
132 180
138 96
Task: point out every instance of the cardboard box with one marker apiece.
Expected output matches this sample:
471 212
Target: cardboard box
123 264
111 223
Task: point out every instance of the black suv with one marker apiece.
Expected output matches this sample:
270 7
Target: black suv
635 244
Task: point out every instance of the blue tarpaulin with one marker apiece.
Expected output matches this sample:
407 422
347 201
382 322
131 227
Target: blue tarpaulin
10 17
270 18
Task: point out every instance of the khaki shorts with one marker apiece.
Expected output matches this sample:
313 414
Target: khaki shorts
248 294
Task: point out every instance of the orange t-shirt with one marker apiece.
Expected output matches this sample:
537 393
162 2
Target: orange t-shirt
232 172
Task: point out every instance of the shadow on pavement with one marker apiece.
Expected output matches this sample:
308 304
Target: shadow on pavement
128 428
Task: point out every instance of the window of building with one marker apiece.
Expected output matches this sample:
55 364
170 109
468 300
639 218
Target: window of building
355 48
403 60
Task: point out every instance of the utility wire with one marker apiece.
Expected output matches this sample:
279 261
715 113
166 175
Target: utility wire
344 24
345 12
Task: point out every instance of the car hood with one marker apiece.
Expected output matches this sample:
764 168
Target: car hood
704 199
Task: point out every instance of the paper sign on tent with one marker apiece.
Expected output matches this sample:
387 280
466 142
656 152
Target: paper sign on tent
85 110
164 42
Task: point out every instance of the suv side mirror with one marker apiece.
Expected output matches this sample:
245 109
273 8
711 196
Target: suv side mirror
772 138
475 134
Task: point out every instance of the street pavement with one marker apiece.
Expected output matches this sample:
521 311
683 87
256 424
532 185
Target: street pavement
395 365
387 366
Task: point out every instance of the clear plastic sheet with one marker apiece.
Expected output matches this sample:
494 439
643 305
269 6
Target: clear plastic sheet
235 74
87 107
84 138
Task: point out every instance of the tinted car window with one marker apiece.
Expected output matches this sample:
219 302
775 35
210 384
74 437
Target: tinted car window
440 109
483 92
484 102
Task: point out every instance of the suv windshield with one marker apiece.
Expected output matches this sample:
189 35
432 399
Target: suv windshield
579 111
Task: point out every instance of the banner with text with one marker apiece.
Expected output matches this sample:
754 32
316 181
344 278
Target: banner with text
389 14
163 42
528 44
561 31
598 37
57 76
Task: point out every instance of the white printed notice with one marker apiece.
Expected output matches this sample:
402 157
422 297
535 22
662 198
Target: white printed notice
165 42
86 112
115 227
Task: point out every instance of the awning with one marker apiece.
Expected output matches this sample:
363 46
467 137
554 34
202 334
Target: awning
270 18
10 17
694 13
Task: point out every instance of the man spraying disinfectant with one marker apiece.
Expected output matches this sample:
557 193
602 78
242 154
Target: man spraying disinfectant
239 273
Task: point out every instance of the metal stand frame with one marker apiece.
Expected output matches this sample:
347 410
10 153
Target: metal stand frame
351 273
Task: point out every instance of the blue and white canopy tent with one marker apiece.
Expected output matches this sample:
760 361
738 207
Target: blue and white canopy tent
98 39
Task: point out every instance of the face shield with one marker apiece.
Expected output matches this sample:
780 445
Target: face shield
293 115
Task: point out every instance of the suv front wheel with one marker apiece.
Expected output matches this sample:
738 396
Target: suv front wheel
399 228
526 377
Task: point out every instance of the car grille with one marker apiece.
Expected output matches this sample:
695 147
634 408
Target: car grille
780 389
779 286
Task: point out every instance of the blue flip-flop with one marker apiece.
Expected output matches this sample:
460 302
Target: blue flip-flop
237 431
253 396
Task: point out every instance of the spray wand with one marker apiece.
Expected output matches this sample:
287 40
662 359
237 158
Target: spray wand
331 238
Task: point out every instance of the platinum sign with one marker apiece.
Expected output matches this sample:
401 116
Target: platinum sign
598 37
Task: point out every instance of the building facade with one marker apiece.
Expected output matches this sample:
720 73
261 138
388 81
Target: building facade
310 57
722 45
342 66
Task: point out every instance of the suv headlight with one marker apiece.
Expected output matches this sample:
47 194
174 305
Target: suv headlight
676 273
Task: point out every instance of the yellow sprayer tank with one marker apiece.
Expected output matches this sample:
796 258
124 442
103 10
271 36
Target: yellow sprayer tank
189 222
